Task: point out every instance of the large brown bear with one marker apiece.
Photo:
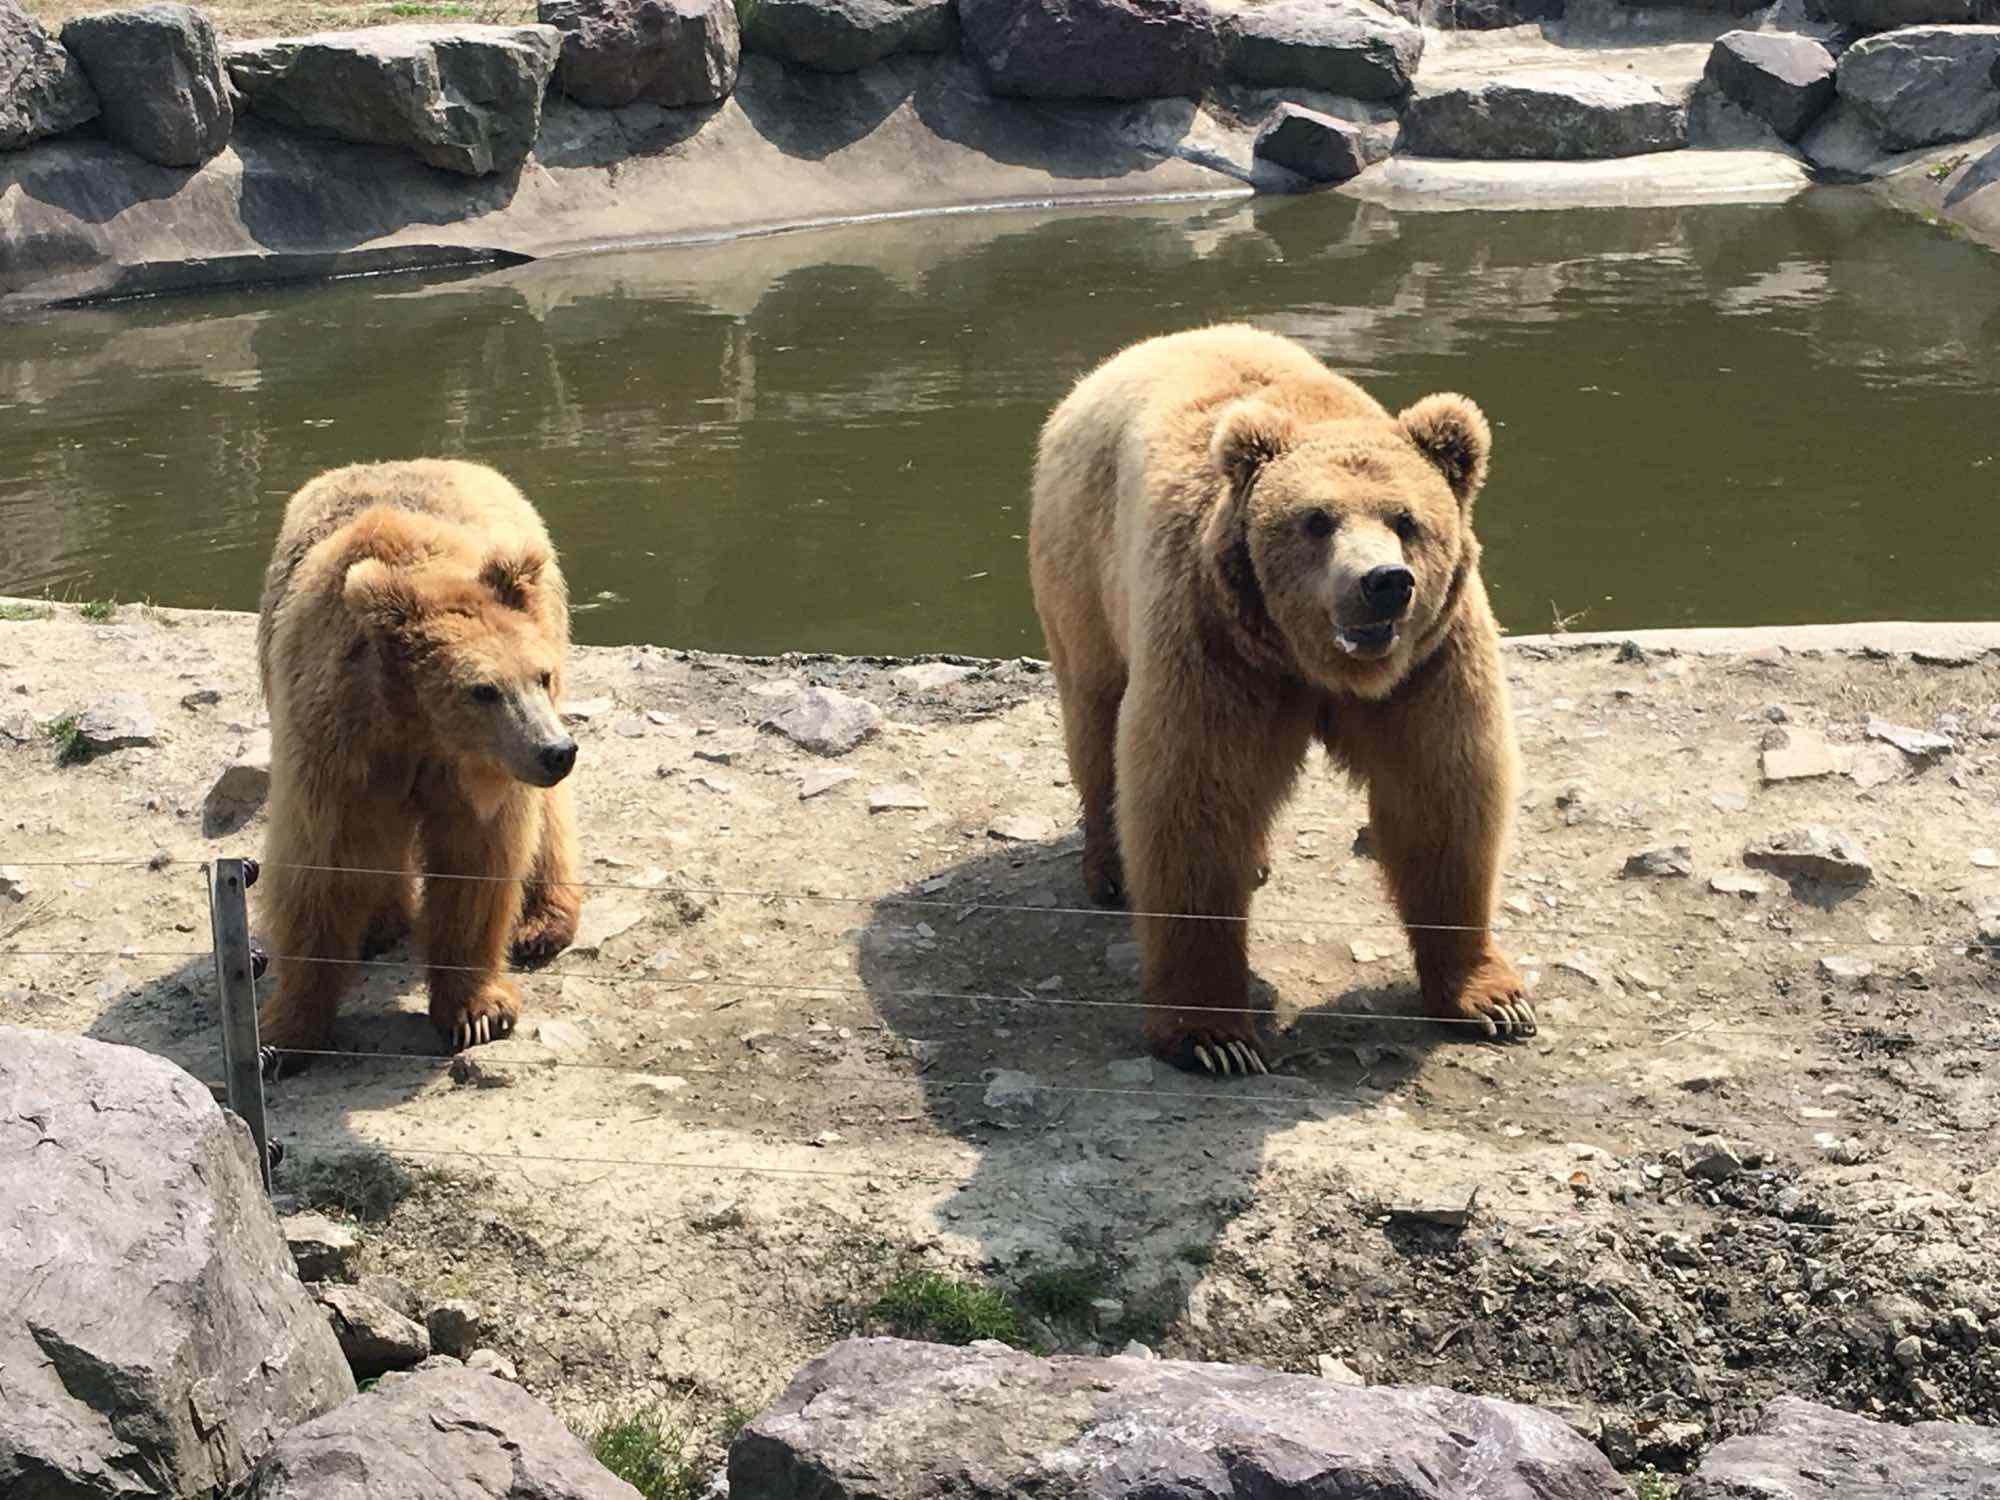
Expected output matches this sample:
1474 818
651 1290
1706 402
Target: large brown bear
1235 551
411 647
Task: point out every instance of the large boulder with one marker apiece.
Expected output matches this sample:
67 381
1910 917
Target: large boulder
42 88
1319 147
154 1339
159 80
1353 49
1924 84
841 36
1546 115
1785 81
464 98
1093 49
671 52
1799 1451
440 1434
875 1417
1887 15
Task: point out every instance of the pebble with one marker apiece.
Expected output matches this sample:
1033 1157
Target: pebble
821 780
14 884
1803 756
120 722
1711 1158
322 1249
1364 951
492 1363
1812 852
929 676
1846 967
1021 828
1918 743
1909 1351
900 797
823 722
1136 1350
1733 883
1339 1371
1672 861
455 1327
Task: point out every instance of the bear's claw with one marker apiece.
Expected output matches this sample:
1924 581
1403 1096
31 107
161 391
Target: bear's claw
481 1030
1232 1057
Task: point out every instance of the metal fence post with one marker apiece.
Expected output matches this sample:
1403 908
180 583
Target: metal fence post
236 983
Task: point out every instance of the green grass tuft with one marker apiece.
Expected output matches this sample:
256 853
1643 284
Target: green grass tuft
925 1305
650 1454
1651 1484
22 612
98 611
63 734
1064 1293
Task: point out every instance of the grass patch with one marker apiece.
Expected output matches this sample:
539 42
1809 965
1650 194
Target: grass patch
67 739
1651 1484
925 1305
1065 1293
363 1185
98 611
650 1454
19 612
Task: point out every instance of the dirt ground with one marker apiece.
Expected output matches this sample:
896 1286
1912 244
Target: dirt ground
764 1083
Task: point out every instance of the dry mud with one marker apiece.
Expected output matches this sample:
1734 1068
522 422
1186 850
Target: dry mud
763 1083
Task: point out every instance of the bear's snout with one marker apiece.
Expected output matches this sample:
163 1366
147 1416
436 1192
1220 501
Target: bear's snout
557 760
1387 590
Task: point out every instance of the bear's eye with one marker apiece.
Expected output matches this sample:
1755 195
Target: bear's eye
1407 528
486 692
547 681
1319 525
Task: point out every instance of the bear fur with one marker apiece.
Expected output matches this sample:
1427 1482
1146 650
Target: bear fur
411 645
1207 506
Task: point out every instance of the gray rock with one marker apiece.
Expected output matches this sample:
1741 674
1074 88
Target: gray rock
1920 744
492 1362
15 886
818 782
1924 84
1016 1097
824 722
117 723
1785 81
1355 50
322 1250
1800 1451
456 1327
1846 967
444 1434
1797 755
159 80
1675 861
43 90
1319 147
239 791
374 1336
1888 15
153 1336
929 676
1711 1158
390 1292
842 36
1812 852
876 1417
1093 49
897 797
669 52
1547 115
467 99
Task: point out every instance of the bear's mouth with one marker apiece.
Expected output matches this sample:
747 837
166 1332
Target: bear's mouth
1366 640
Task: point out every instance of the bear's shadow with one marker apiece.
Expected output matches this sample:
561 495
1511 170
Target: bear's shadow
1100 1158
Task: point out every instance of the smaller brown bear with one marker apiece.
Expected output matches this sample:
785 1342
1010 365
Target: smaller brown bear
411 644
1235 552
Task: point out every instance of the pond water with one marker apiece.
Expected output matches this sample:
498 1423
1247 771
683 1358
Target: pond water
1725 415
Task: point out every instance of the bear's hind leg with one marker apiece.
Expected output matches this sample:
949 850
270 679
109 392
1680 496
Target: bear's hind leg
1091 693
552 901
472 899
395 910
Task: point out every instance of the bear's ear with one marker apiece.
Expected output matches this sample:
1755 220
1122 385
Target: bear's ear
1249 435
512 575
382 598
1451 432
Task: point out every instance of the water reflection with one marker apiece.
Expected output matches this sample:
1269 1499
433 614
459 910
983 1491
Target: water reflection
1733 414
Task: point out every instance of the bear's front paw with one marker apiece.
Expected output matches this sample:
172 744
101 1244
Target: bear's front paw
1208 1045
1492 999
542 934
484 1016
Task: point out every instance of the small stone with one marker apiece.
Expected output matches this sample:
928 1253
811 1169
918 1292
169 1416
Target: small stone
1645 979
201 697
116 723
929 676
1022 828
1812 852
1844 966
1583 969
1841 1151
583 710
896 798
487 1361
322 1249
375 1338
1986 859
1365 951
1673 861
1917 743
239 792
1014 1095
721 786
1909 1351
1876 765
1320 147
823 779
1711 1158
631 727
1339 1371
1679 1250
1106 1312
564 1038
1136 1350
1804 756
1729 802
1734 883
15 886
455 1327
392 1293
824 722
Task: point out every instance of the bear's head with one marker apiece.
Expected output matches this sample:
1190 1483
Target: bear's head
1342 546
467 642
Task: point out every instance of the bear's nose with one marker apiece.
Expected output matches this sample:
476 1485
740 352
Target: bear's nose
1387 590
557 759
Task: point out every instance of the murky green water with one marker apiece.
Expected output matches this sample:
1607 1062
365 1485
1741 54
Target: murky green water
1726 415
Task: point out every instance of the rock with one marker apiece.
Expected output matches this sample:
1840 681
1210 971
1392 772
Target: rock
668 52
492 1362
1368 951
1354 50
43 90
897 798
240 790
120 722
1889 15
15 886
1920 744
1122 956
824 722
1319 147
876 1417
1092 49
201 697
322 1249
1812 852
1733 883
1711 1158
153 1336
1876 765
445 1434
1924 84
843 36
392 1293
583 710
1673 861
1014 1096
817 783
929 676
374 1337
1021 828
1785 81
1845 967
1798 755
1545 115
603 920
455 1327
159 81
1671 1446
1800 1451
565 1039
467 99
1340 1372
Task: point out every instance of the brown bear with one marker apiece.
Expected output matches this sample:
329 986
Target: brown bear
1236 551
411 644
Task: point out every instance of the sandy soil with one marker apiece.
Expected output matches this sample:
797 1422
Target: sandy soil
791 1011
